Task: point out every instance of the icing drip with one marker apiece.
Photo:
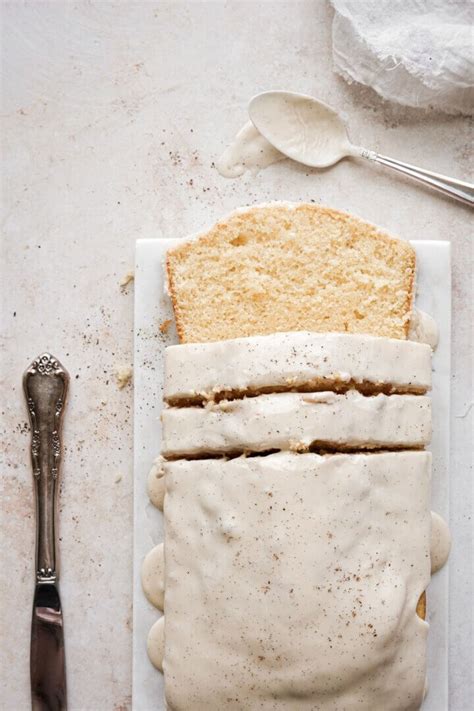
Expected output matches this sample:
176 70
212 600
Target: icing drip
440 542
155 644
153 570
423 329
248 151
156 484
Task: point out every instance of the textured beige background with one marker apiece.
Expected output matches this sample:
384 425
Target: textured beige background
113 114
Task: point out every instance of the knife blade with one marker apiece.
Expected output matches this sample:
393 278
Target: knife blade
45 384
47 659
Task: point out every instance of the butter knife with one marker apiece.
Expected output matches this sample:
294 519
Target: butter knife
45 384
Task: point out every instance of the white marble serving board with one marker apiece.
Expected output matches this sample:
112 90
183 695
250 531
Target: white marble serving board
152 307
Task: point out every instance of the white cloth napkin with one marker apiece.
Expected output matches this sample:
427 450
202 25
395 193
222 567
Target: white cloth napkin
416 52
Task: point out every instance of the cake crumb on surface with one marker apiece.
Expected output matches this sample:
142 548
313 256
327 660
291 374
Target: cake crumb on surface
127 279
164 325
123 373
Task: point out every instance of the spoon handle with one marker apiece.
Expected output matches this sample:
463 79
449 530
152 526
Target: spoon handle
458 189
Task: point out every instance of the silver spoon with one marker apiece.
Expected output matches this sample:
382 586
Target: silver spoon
311 132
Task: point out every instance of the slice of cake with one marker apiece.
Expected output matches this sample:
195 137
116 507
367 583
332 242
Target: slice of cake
292 582
298 422
295 361
284 267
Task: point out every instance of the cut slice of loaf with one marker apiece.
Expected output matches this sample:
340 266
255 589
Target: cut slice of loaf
295 361
284 267
298 422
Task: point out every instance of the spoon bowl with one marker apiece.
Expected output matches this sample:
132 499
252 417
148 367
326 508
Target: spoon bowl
302 128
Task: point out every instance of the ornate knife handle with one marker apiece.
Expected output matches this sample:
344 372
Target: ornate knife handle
45 384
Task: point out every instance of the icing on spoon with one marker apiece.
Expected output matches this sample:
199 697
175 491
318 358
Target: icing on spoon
302 128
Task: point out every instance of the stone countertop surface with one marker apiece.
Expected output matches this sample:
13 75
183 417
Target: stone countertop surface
113 115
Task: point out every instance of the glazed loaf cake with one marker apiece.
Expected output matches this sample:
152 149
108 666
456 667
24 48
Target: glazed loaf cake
294 579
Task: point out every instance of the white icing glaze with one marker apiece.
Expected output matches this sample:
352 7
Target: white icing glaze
156 484
440 542
301 127
295 420
248 151
293 359
292 582
423 328
153 573
155 643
